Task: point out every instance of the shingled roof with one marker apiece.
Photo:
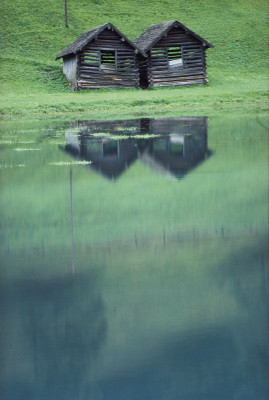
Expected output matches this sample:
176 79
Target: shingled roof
155 32
88 36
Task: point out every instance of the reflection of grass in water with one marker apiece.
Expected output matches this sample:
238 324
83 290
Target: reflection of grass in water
64 163
119 137
4 166
145 136
25 149
229 191
108 136
130 129
9 141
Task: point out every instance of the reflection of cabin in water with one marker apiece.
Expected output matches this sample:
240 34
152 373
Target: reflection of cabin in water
101 57
175 55
110 157
181 149
171 146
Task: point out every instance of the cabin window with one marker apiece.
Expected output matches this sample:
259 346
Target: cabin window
110 148
177 145
159 145
92 148
127 63
108 60
174 56
176 149
90 57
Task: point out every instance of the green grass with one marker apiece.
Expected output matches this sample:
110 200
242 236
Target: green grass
33 33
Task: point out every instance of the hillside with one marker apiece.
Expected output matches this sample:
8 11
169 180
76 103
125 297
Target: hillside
34 32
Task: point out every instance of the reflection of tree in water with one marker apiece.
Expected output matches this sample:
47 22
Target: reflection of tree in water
64 326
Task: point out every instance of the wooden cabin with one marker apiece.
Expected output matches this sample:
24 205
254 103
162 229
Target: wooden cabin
175 56
101 58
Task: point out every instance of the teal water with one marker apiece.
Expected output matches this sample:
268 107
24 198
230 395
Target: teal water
134 259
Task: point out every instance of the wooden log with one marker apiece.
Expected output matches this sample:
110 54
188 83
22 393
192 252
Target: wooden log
123 56
188 56
100 74
175 78
183 74
201 82
89 58
165 69
90 61
107 83
119 70
176 43
178 79
126 63
96 86
194 62
106 79
119 63
159 63
192 56
106 46
119 73
90 54
107 87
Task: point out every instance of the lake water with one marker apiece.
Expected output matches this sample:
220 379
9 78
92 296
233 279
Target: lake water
134 259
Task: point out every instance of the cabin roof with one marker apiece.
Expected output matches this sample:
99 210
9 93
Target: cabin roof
155 32
88 36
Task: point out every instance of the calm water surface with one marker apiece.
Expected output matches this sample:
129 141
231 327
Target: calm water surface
134 259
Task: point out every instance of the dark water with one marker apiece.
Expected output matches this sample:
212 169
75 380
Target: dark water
134 259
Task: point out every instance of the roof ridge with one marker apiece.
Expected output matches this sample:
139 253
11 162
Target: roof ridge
80 42
153 34
89 35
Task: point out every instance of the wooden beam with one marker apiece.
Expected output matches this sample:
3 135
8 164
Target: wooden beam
66 17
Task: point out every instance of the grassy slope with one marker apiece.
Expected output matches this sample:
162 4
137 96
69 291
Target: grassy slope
33 33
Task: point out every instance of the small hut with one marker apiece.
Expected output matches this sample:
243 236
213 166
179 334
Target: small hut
101 58
175 55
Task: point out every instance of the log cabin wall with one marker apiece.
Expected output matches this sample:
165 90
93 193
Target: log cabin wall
109 61
70 70
178 58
